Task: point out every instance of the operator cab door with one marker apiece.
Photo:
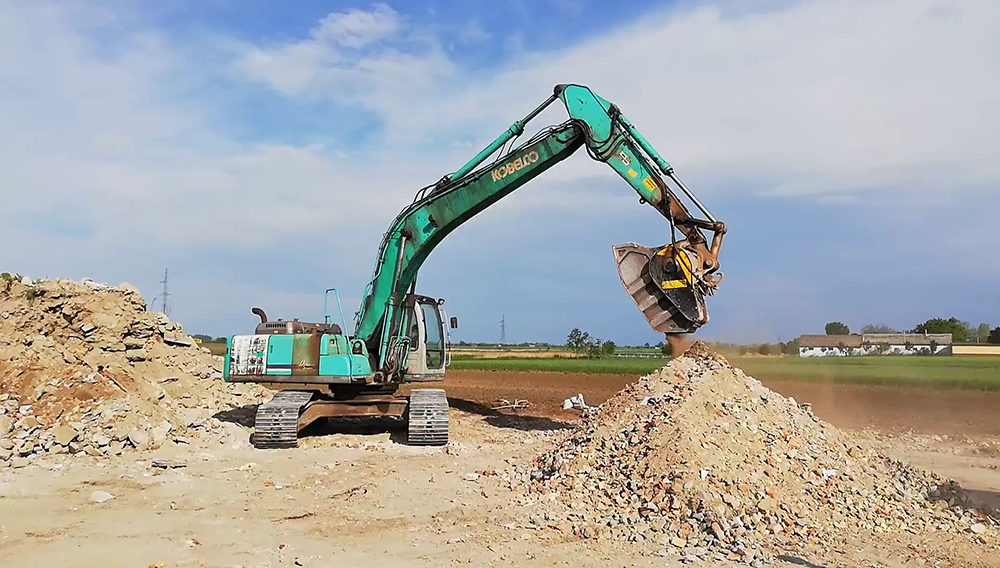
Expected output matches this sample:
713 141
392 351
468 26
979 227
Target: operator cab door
425 328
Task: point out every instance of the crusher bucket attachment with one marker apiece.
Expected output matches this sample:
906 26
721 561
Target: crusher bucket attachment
663 285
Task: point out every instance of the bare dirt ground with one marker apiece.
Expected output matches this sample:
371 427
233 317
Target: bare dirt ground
353 495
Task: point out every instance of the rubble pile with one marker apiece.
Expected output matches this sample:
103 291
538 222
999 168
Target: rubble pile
702 460
86 369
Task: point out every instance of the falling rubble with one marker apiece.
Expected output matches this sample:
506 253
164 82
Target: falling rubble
86 369
701 460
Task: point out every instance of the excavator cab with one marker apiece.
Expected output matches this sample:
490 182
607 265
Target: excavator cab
428 335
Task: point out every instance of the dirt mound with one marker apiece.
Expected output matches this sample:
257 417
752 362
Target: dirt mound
85 368
701 459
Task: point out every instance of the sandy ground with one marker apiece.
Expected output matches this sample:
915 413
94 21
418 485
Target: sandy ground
353 495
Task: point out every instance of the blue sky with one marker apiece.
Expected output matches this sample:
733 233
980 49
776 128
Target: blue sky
259 149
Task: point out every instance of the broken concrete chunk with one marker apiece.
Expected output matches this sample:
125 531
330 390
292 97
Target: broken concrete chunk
63 435
101 497
135 354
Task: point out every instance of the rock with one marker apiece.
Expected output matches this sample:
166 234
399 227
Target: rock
138 438
5 454
179 341
127 288
101 497
161 431
193 417
63 435
102 440
6 424
135 355
17 462
134 343
678 542
471 477
170 464
978 528
116 448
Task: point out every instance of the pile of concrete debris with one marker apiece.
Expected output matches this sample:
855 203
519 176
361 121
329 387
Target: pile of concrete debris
702 460
86 369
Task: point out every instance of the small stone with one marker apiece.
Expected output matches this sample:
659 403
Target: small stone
116 448
978 528
135 355
6 424
678 542
63 435
138 438
5 454
301 561
471 476
101 497
174 464
102 440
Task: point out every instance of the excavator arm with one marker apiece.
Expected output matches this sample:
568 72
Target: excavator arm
667 283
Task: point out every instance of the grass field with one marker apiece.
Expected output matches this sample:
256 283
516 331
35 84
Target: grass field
939 372
216 348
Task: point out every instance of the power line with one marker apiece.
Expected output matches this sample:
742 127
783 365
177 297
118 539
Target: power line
503 330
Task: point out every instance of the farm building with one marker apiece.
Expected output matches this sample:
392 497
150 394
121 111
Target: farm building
874 344
973 349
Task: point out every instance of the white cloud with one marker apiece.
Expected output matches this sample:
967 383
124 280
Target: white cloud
358 28
356 56
474 32
104 125
816 97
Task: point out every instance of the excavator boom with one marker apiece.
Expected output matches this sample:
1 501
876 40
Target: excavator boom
668 283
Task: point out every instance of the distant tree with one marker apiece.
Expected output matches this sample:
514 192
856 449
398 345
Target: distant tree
608 348
960 331
665 348
577 340
791 348
764 349
877 328
646 345
204 338
994 337
982 333
837 328
220 340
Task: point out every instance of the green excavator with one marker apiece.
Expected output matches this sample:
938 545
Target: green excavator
402 337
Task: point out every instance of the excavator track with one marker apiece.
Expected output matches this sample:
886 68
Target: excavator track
277 422
427 423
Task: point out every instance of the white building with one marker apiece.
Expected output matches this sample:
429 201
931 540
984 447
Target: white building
874 344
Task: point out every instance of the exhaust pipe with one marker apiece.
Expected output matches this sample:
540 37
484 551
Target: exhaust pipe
260 313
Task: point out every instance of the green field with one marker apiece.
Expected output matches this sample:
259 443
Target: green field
981 373
215 348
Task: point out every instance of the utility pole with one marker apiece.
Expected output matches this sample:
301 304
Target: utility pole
503 330
164 295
